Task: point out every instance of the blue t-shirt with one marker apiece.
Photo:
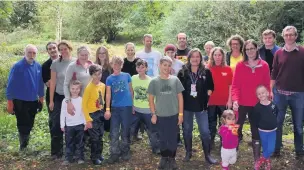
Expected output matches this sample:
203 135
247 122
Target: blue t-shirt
120 90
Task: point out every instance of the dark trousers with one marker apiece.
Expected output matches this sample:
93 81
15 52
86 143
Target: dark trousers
214 118
167 135
74 142
96 134
120 125
54 122
25 112
243 110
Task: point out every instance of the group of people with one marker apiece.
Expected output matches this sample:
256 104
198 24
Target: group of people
161 92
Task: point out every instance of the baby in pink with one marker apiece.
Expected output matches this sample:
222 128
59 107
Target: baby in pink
228 133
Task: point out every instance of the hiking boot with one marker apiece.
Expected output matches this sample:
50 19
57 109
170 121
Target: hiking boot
126 156
97 162
80 161
65 163
187 157
112 159
206 148
163 163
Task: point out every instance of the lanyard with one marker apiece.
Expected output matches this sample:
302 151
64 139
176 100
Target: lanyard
194 77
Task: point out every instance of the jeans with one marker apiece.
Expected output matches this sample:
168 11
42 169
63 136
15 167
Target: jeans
74 142
120 125
296 103
96 134
214 114
151 128
268 140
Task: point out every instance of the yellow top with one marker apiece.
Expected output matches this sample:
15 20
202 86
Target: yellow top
234 61
93 99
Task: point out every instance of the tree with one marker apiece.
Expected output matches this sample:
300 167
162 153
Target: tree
24 14
6 9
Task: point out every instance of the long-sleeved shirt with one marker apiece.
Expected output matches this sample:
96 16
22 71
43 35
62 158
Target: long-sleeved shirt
93 99
25 81
247 79
46 76
265 116
229 136
72 120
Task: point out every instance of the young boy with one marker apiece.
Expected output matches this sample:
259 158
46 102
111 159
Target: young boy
140 84
119 95
73 126
93 105
167 111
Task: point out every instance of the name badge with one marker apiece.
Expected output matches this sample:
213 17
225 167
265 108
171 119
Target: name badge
193 90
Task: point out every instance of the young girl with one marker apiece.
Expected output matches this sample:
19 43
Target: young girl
265 119
229 134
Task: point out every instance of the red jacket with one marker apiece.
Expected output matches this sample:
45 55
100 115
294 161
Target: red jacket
247 79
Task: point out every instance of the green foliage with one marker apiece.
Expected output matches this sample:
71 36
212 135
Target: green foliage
24 14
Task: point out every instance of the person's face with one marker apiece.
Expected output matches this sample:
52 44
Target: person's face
230 121
148 41
141 69
170 54
102 54
195 59
251 51
75 90
218 57
290 36
52 50
83 55
97 75
165 67
130 51
64 50
268 40
182 39
31 54
208 49
262 94
116 67
235 45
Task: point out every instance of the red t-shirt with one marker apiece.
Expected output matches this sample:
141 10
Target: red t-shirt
222 79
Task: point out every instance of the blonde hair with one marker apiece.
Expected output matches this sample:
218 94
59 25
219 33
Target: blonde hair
227 114
165 59
75 83
129 43
117 60
212 62
147 35
209 43
269 32
83 48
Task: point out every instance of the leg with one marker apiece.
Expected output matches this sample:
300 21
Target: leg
187 133
161 125
151 131
241 121
171 134
125 114
135 121
212 118
225 157
69 141
114 135
256 144
79 145
233 156
202 122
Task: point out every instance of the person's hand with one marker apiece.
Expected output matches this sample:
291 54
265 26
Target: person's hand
133 110
10 107
209 92
229 104
51 106
71 108
47 83
40 104
180 119
235 106
62 129
154 119
271 96
107 115
89 125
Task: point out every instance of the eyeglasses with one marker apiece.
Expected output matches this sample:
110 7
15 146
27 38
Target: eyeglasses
250 49
289 35
102 53
235 44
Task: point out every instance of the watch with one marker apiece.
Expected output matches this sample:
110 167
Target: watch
67 100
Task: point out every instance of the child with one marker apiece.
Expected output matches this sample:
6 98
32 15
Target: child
170 51
73 125
167 111
119 95
93 104
265 119
140 84
229 135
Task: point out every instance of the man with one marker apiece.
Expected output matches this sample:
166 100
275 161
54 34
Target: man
269 48
287 77
52 50
182 49
25 93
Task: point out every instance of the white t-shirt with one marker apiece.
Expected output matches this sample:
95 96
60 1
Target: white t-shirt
68 120
152 58
176 66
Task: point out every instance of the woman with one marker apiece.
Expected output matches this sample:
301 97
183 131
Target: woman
58 69
249 74
130 60
236 44
220 99
198 85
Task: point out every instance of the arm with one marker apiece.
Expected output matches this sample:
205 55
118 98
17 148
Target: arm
108 102
11 86
229 103
45 73
275 70
267 78
152 104
52 88
85 98
209 80
63 114
68 78
41 86
180 103
236 84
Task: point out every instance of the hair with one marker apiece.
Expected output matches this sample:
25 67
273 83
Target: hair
140 62
209 43
83 48
106 64
49 43
255 44
30 46
75 83
94 68
117 60
212 62
187 66
269 32
227 114
129 43
147 35
66 43
261 86
165 59
238 38
290 27
179 34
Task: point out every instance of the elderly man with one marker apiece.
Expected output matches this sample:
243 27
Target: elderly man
25 93
287 76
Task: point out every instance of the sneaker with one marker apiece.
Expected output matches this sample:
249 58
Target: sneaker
80 161
96 162
162 163
268 164
65 163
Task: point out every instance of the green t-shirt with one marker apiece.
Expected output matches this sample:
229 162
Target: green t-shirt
140 87
165 92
